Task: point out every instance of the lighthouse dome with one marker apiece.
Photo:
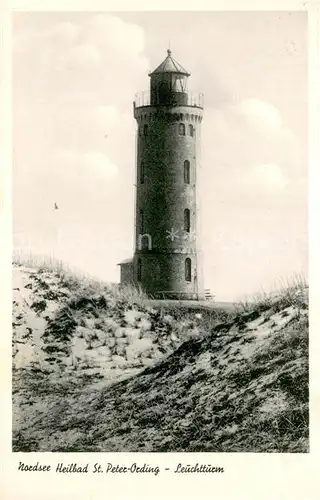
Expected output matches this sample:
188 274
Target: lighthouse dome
170 65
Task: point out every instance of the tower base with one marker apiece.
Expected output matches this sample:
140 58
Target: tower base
169 295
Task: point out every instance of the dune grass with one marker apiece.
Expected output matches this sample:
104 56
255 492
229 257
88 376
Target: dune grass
76 279
287 292
202 380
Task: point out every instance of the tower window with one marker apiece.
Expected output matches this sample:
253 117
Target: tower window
142 173
141 222
145 129
182 129
139 270
186 220
191 130
156 271
187 269
186 172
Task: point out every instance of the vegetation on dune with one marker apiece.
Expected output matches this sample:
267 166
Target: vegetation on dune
97 368
195 401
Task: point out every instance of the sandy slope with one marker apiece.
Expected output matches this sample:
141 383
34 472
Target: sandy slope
93 371
36 296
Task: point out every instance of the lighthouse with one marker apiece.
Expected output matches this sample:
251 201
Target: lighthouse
167 261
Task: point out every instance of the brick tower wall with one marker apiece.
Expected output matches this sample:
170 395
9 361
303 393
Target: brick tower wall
162 195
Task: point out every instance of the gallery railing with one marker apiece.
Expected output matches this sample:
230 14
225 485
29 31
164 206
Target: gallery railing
189 98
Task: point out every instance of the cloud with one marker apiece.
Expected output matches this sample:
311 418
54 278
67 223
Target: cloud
70 113
27 36
111 32
62 34
100 164
93 56
240 136
86 55
259 113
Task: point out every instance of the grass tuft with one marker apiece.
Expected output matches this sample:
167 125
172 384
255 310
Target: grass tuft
110 372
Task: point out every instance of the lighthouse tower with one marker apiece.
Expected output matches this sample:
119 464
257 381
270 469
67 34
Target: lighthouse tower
167 261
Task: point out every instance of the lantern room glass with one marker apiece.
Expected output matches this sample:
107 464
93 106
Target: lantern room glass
178 83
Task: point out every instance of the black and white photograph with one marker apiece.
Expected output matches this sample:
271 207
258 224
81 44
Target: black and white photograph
160 233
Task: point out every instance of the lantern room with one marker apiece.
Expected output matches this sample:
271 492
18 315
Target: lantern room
168 85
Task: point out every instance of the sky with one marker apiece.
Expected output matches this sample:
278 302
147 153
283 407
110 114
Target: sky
75 76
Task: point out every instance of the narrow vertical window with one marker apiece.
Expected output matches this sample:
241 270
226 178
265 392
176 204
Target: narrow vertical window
141 222
139 270
187 269
186 220
142 173
156 271
182 129
191 130
186 172
145 129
